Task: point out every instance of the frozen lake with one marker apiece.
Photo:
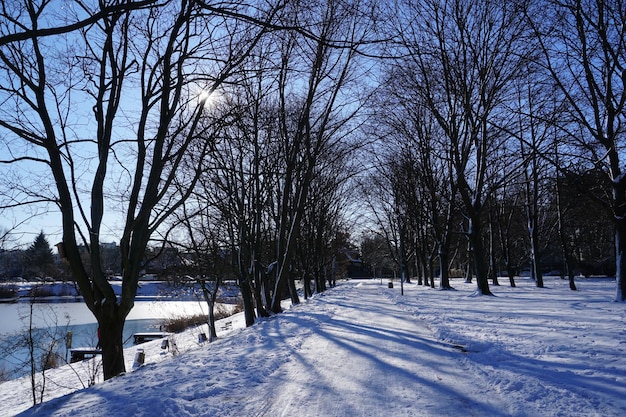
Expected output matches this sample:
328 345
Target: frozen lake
60 318
15 316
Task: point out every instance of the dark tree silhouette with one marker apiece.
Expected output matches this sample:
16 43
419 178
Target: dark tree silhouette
39 259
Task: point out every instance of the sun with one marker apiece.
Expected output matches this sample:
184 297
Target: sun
204 96
208 98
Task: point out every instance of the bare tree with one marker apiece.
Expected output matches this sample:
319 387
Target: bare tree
242 171
536 115
584 49
391 192
375 252
425 179
289 114
36 349
205 253
108 110
506 218
566 250
465 55
314 120
323 232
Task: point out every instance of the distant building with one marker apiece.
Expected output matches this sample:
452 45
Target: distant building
354 264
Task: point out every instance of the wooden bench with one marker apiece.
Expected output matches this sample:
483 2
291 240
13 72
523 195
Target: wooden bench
139 338
80 354
227 325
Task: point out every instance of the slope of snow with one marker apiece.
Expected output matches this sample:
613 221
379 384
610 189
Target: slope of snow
362 349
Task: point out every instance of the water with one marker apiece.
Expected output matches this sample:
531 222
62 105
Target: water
52 322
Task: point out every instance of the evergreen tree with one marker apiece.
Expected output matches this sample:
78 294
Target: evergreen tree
39 257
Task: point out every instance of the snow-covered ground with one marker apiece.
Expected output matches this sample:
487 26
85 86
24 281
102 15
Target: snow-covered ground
362 349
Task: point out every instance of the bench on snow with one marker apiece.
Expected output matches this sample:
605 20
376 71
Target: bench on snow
139 338
227 325
82 353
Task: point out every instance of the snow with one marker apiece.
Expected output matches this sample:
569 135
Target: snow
362 349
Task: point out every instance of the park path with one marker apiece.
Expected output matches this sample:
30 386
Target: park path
366 356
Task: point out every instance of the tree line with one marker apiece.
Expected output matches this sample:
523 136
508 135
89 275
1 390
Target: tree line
243 133
503 128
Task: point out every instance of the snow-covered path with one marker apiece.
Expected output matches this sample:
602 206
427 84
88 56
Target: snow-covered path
365 356
362 349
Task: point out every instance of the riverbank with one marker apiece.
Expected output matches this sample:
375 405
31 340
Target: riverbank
16 395
57 318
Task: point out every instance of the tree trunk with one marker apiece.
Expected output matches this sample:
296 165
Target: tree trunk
418 267
293 292
620 259
506 255
260 306
493 267
111 342
568 265
479 264
469 272
431 268
569 270
30 341
511 278
248 306
332 280
319 279
443 268
306 280
507 262
210 296
281 288
211 322
534 257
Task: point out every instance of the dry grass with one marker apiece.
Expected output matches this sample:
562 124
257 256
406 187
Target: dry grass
178 324
41 291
